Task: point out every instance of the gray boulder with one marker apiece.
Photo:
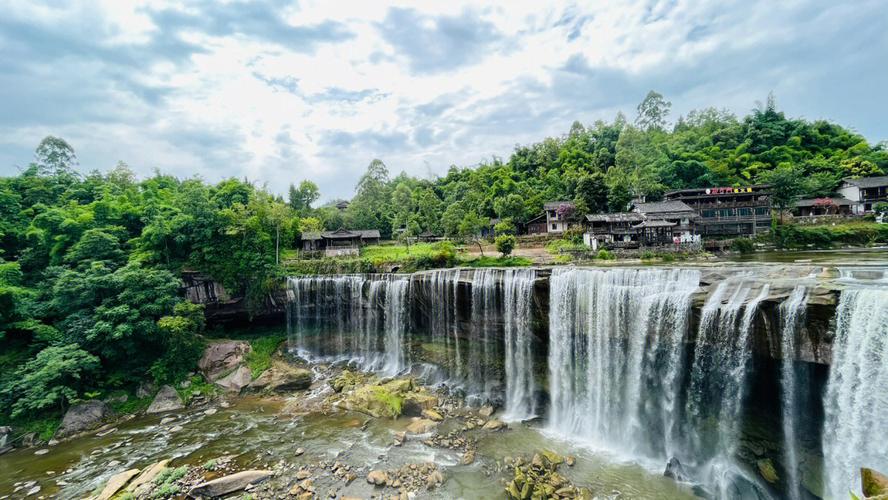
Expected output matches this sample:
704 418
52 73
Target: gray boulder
236 380
221 358
282 378
167 399
229 484
83 417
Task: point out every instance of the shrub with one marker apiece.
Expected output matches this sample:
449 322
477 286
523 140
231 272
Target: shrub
604 254
505 244
742 245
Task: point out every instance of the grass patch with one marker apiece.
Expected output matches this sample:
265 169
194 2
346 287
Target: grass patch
392 253
132 405
166 482
45 427
556 247
488 261
197 387
263 348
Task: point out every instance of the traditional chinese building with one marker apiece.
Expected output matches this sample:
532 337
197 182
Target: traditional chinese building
338 243
728 211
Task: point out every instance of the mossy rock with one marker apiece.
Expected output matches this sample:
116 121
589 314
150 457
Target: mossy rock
767 470
873 483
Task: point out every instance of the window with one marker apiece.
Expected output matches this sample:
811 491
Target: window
761 210
744 212
554 227
709 213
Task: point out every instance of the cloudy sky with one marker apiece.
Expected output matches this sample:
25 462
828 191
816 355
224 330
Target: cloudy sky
283 91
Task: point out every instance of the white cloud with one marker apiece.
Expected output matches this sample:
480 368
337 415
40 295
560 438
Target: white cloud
279 93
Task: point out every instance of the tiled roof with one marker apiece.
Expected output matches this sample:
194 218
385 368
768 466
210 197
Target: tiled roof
659 207
553 205
868 182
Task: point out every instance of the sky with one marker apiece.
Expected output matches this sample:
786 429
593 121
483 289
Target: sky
277 92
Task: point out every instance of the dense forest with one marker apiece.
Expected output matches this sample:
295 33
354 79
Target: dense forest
90 295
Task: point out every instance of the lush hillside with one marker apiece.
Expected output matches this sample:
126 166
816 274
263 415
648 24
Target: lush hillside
604 165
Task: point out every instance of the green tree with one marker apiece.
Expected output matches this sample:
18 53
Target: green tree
787 186
302 198
53 379
592 191
505 243
652 112
182 345
470 229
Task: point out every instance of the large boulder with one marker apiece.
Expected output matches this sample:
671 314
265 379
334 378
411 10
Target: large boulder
229 484
236 380
83 417
221 358
167 399
147 476
872 483
116 483
282 378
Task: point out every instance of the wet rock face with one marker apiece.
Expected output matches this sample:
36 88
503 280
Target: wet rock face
674 470
167 399
83 417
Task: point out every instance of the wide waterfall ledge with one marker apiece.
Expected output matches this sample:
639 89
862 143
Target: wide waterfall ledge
733 371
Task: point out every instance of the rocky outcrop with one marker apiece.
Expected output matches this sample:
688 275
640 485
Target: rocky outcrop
540 479
281 378
221 358
237 380
116 483
147 476
229 484
83 417
167 399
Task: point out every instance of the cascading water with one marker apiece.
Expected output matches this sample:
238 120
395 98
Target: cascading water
517 304
482 378
855 403
442 290
718 379
363 318
616 342
792 315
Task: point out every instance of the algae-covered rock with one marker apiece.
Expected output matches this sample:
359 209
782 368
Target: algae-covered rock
767 470
873 483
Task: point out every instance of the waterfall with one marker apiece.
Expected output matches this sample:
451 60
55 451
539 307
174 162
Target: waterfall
395 324
482 378
361 318
718 378
517 304
856 403
616 355
442 287
792 316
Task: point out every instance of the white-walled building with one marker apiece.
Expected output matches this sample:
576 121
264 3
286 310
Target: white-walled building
865 192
